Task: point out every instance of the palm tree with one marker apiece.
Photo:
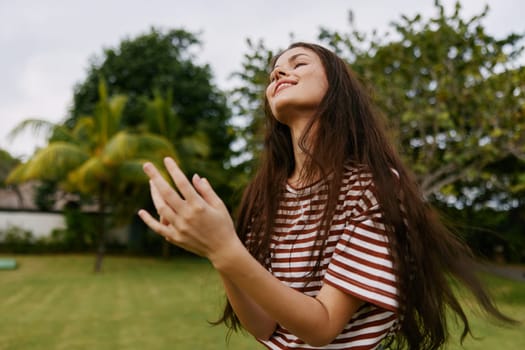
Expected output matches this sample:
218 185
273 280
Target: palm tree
96 157
161 119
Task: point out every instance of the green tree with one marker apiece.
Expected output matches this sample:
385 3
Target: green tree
162 64
97 158
246 100
452 93
192 149
160 118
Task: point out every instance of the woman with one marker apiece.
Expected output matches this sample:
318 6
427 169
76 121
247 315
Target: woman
334 246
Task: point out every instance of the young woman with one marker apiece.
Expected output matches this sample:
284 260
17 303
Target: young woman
334 245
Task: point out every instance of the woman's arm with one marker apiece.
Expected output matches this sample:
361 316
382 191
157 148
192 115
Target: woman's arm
253 318
199 222
317 321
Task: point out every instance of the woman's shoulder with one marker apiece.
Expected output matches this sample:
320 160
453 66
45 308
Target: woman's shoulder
354 172
358 188
356 175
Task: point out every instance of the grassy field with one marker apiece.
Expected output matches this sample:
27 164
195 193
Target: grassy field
56 302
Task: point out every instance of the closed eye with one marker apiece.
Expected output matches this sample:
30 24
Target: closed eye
273 74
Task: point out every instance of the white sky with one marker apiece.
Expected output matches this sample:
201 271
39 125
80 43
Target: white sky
45 45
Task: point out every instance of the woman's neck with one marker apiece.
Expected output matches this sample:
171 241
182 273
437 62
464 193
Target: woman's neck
296 178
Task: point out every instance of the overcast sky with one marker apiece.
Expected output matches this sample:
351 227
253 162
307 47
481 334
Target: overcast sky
45 45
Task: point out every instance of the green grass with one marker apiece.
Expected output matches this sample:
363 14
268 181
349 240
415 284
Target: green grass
56 302
510 298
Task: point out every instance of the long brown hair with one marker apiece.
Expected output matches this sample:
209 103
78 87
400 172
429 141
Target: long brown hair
348 128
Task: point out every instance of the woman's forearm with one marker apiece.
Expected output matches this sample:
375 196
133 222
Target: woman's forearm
252 317
315 320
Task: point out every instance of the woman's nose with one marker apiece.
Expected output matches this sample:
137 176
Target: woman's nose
279 73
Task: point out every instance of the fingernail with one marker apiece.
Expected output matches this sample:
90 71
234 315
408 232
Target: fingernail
196 177
147 167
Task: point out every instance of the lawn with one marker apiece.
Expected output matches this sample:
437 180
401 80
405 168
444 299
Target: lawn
56 302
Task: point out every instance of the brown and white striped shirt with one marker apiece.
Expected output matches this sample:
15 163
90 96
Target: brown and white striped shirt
356 258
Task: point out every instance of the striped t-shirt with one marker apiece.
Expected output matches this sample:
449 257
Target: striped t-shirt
356 258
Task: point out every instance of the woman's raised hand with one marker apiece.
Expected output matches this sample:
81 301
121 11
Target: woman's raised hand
194 218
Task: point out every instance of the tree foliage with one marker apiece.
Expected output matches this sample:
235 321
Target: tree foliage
246 100
452 92
98 158
158 74
452 95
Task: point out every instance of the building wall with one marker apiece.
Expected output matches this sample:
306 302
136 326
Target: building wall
40 224
20 197
19 210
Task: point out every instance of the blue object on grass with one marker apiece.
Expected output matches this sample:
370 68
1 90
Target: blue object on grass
7 264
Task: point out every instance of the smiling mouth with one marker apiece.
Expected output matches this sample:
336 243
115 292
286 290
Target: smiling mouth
281 87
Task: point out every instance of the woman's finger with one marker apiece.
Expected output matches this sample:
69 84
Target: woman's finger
163 188
205 190
181 181
156 226
165 212
159 203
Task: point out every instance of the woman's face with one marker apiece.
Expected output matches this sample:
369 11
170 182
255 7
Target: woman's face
297 85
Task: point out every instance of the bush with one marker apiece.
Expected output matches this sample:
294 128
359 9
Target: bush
81 228
16 239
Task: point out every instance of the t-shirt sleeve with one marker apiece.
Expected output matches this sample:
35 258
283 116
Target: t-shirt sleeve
362 264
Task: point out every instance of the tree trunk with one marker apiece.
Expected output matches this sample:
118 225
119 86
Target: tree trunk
101 244
19 196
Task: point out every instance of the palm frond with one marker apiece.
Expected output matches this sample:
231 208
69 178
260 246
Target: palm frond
62 134
160 116
36 126
52 163
117 104
196 144
16 175
108 113
153 146
121 147
130 171
126 146
158 163
83 132
88 177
